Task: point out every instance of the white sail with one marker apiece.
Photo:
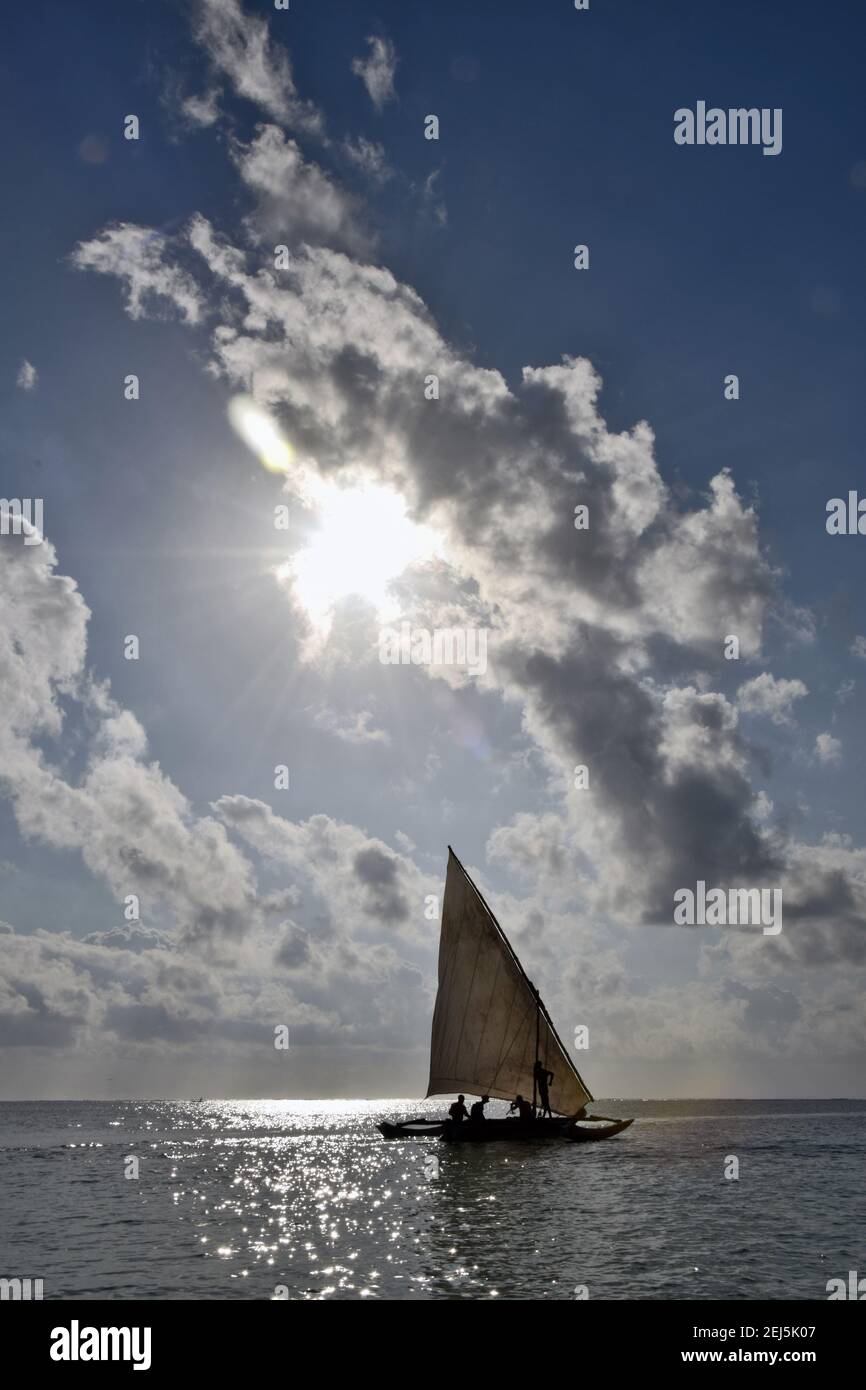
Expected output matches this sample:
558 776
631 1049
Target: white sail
486 1015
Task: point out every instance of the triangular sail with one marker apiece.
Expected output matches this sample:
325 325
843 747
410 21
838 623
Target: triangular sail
485 1020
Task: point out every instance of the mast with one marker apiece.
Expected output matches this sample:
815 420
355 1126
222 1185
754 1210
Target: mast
537 1040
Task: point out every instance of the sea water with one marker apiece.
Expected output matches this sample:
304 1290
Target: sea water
305 1200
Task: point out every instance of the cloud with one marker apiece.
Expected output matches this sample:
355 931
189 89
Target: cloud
605 643
377 70
608 638
439 210
132 826
828 749
296 199
593 631
767 695
378 872
369 157
350 728
137 256
202 109
858 648
239 46
131 937
57 993
205 981
533 845
358 876
28 376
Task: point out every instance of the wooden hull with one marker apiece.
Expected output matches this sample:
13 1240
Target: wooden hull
587 1133
488 1131
517 1131
507 1131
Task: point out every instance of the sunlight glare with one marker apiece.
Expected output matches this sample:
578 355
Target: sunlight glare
365 540
260 434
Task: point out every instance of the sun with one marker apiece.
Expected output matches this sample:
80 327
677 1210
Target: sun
363 539
363 542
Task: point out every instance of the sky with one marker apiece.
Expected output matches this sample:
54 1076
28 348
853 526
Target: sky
285 375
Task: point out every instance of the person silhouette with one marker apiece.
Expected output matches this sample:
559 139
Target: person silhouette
477 1110
457 1110
543 1079
523 1108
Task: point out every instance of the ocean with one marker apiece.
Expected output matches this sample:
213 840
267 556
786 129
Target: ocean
304 1200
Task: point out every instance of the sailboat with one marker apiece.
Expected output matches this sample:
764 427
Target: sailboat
490 1029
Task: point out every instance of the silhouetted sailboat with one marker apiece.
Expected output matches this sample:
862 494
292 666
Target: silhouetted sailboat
491 1029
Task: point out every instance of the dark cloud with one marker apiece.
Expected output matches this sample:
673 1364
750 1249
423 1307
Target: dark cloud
294 950
384 898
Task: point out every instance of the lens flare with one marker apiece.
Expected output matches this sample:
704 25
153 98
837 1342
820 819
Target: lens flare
260 433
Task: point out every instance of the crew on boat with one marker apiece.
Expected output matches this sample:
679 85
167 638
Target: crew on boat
543 1079
476 1111
457 1110
523 1107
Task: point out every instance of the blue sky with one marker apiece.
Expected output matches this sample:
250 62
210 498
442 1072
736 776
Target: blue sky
556 128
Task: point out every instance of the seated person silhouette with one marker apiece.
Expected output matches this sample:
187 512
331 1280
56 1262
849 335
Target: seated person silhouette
523 1108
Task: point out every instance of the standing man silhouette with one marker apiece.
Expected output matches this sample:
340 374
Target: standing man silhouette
543 1078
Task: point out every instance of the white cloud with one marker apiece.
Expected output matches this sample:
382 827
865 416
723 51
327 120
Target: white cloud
763 807
137 256
858 648
239 45
350 728
216 979
844 692
296 199
597 634
439 210
377 70
828 749
56 992
201 110
28 376
342 348
368 156
357 875
766 694
131 825
594 634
